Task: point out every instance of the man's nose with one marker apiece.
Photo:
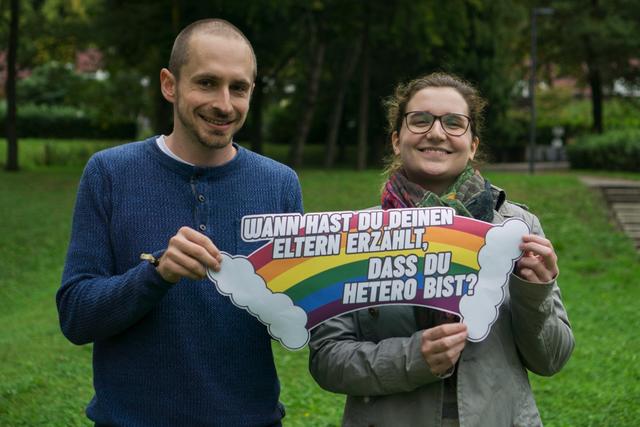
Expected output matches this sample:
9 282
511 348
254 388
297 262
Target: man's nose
222 100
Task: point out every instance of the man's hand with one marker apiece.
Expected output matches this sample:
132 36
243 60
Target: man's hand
188 255
442 345
539 264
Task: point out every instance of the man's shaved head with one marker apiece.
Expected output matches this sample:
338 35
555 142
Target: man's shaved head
216 27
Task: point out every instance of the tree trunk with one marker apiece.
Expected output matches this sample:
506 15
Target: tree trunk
162 117
363 115
162 110
336 117
594 74
256 116
12 133
317 60
379 148
595 82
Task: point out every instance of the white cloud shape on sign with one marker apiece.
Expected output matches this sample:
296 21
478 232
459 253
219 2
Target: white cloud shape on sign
496 259
238 280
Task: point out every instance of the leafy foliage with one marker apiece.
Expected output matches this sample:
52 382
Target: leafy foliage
50 30
55 101
600 33
595 41
559 107
483 41
101 96
613 150
53 121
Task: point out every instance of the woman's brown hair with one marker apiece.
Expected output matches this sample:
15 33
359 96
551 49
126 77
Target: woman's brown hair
396 106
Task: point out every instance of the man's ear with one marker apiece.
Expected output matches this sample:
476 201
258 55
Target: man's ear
168 85
395 142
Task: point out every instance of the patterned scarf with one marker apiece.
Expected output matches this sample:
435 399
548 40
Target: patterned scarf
470 196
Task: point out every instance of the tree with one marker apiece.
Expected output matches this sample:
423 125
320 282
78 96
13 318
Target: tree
49 30
404 39
12 135
317 47
491 57
597 41
350 61
323 66
146 48
363 116
275 45
138 36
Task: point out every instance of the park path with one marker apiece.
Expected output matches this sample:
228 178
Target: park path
621 195
623 198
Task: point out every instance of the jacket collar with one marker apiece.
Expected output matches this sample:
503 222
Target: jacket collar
499 196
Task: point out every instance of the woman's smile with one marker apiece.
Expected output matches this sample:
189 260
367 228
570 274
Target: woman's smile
434 151
434 159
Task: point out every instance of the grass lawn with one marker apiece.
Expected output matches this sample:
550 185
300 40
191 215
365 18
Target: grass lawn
46 381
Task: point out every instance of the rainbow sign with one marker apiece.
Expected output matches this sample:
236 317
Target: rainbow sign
320 265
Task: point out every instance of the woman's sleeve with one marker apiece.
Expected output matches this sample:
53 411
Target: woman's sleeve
341 363
540 323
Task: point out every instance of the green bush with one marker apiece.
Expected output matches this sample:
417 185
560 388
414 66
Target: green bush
53 83
559 107
48 121
517 128
55 101
613 150
100 95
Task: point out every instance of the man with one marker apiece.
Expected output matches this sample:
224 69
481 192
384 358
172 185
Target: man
168 349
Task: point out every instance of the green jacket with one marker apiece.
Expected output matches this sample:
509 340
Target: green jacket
373 356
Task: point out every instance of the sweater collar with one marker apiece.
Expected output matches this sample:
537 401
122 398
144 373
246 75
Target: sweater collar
189 171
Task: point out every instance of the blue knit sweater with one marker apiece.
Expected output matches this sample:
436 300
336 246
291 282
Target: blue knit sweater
169 355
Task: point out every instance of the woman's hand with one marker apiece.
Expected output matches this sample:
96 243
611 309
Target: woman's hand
442 345
539 264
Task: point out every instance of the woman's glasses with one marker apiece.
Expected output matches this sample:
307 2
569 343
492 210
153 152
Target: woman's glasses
453 124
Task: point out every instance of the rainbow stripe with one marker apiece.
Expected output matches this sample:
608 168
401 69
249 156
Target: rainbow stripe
316 283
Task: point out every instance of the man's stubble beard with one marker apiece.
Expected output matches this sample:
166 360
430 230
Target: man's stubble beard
192 129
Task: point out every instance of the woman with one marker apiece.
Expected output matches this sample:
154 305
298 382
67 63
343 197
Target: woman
412 366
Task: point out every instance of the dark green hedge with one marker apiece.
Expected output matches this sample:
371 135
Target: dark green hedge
42 121
613 150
